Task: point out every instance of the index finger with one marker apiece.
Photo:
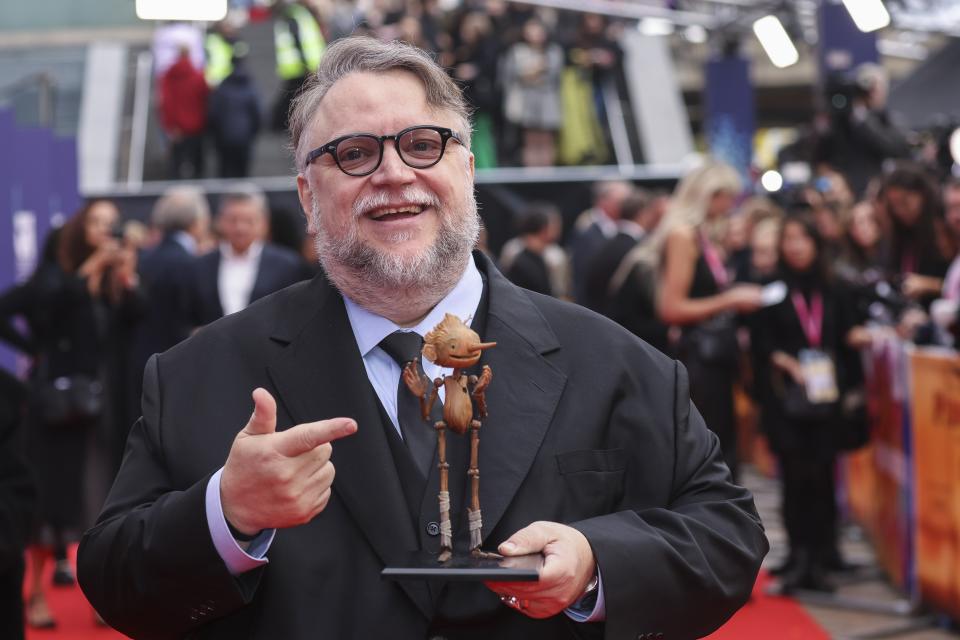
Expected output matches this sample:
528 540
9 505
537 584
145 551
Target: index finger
308 436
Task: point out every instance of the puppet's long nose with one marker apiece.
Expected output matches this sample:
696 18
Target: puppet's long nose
484 345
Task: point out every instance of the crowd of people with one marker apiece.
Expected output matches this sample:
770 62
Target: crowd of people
102 300
534 76
777 297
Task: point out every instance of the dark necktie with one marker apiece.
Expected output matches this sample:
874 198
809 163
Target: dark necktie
419 434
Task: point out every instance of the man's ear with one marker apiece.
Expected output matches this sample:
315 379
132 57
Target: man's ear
305 193
472 167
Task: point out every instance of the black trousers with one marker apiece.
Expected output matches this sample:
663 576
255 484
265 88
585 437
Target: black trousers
186 158
809 504
11 600
233 161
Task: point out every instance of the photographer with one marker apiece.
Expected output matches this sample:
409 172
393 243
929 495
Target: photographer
862 135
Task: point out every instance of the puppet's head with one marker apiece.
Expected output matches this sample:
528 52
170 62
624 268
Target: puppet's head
453 344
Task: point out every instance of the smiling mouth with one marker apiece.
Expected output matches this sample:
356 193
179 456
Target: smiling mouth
396 213
465 358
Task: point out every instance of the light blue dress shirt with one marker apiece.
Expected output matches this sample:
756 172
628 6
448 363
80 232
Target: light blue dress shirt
384 374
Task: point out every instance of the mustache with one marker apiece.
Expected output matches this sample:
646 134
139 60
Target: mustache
409 195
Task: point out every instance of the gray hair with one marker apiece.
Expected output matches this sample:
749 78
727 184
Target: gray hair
179 208
245 192
359 54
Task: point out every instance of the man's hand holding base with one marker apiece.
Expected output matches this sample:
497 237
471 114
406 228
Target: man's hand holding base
275 480
567 568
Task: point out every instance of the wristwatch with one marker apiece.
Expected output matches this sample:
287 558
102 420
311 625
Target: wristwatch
588 599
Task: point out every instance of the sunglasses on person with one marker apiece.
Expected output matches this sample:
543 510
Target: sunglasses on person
360 154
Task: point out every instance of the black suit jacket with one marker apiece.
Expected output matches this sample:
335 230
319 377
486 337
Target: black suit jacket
585 245
601 268
588 426
279 267
166 272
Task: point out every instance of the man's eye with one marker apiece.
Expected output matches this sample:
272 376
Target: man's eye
353 154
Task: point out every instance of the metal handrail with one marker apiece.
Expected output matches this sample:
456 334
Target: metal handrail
46 86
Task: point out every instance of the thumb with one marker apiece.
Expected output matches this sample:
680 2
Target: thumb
531 539
264 418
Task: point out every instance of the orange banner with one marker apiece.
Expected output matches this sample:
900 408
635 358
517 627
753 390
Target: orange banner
936 449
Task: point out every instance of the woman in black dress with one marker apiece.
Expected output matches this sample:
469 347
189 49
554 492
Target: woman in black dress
84 280
803 345
694 291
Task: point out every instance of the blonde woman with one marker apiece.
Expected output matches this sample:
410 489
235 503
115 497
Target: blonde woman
692 290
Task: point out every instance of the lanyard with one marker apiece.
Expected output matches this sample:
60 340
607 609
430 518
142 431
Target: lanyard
908 262
811 318
720 275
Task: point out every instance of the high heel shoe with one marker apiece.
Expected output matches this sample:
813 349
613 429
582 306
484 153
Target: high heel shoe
63 574
38 613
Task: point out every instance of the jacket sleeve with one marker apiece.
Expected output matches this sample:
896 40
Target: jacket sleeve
684 569
149 566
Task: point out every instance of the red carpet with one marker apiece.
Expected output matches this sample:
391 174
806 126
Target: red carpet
767 617
764 617
74 615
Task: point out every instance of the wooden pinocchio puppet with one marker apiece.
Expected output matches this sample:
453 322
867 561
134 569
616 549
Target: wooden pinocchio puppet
455 345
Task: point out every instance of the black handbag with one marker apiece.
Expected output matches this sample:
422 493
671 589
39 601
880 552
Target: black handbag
797 406
68 401
714 342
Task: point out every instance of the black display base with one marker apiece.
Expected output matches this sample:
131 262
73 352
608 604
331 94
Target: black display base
423 565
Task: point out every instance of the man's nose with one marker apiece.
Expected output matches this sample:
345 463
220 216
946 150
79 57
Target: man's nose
392 169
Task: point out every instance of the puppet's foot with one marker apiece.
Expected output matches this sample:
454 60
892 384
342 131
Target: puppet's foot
445 554
488 555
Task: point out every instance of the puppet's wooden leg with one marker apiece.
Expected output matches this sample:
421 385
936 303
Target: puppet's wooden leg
473 513
446 530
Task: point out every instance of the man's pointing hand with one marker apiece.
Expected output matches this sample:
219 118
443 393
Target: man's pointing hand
274 480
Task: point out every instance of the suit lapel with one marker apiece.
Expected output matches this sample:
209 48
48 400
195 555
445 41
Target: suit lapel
211 280
521 398
321 375
260 288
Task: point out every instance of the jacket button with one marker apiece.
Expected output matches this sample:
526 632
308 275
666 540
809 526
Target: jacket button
433 529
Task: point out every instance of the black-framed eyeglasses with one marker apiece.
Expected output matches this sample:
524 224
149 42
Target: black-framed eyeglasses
360 154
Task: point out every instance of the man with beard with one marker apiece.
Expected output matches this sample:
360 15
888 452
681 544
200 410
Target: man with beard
592 453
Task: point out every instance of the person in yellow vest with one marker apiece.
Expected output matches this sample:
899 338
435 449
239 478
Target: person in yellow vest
299 46
219 45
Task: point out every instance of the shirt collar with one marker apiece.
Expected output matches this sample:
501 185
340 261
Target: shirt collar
631 228
462 301
608 226
253 252
185 240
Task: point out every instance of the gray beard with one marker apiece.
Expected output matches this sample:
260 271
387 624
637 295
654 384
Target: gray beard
390 284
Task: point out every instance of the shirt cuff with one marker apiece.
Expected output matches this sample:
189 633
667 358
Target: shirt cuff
237 559
599 613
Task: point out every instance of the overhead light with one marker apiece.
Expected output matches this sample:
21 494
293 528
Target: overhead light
955 145
868 15
776 41
186 10
772 181
655 27
695 33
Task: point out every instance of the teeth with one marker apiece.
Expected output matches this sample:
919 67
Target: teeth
415 209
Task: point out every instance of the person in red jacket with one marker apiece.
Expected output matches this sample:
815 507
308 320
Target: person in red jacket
183 115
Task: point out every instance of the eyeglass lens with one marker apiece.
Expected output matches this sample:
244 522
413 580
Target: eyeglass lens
419 148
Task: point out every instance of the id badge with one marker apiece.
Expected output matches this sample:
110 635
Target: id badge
819 376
